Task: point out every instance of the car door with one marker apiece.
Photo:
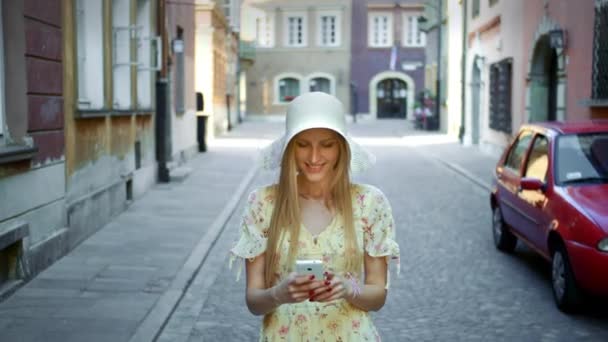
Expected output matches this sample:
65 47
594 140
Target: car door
533 203
508 178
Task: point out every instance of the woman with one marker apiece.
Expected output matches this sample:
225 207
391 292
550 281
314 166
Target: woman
316 212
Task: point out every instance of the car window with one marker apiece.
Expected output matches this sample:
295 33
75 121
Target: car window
518 151
538 161
582 158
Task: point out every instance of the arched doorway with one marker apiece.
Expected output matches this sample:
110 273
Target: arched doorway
544 82
391 96
475 101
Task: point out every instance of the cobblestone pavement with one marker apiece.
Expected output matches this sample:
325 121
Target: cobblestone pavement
454 285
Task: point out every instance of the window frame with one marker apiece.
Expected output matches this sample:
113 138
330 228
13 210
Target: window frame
421 36
523 134
338 28
277 88
475 8
500 109
372 33
537 137
4 132
599 88
330 77
264 27
90 90
304 27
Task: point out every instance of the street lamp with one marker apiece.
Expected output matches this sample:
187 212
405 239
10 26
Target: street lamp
423 20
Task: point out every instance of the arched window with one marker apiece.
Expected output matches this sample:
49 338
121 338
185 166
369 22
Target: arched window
289 88
320 84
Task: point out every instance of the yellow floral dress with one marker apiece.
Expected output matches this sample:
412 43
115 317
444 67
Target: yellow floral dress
313 321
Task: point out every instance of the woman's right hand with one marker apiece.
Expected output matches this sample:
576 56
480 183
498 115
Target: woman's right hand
294 288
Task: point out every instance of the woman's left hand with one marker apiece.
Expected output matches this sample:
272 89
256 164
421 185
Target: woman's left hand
336 287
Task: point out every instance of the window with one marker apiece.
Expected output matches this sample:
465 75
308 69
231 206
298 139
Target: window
148 55
600 52
264 31
320 84
492 2
2 64
295 29
500 95
179 71
475 8
289 88
89 20
412 36
538 161
380 26
329 29
122 33
518 151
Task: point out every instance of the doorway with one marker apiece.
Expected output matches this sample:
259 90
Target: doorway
544 80
391 96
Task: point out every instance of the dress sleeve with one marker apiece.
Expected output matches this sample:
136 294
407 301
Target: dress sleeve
254 228
379 231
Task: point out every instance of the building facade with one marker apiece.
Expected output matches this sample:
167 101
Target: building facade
301 46
388 58
33 159
494 72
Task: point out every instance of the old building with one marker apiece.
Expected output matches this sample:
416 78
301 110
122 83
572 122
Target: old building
301 46
33 160
388 58
493 71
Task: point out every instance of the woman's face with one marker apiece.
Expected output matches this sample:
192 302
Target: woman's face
316 153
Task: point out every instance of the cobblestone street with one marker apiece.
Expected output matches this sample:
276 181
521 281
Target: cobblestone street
454 285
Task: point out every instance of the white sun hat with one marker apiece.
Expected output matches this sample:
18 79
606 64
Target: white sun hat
316 110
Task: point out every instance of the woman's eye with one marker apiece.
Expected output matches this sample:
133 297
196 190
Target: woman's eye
301 144
328 145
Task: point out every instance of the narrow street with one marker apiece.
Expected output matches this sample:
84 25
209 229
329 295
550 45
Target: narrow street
454 285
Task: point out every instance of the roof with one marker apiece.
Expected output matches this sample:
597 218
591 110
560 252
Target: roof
570 127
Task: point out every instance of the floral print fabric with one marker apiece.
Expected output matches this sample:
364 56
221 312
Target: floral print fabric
313 321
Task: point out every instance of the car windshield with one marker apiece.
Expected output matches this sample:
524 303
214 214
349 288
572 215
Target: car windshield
582 159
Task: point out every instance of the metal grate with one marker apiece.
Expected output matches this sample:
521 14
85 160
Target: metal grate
600 52
500 95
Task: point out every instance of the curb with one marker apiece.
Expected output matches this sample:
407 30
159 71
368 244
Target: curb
156 319
466 174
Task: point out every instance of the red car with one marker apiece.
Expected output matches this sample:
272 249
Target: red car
550 192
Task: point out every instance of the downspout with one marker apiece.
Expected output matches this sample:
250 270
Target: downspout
161 99
463 71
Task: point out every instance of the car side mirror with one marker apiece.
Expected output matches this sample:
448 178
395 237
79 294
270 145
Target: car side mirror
533 184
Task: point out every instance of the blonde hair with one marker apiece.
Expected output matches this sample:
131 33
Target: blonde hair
286 213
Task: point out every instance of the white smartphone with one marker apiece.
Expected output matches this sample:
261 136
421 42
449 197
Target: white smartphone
310 267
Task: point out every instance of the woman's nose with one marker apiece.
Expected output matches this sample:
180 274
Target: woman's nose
315 154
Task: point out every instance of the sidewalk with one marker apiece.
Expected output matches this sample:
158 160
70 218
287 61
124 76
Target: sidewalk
123 282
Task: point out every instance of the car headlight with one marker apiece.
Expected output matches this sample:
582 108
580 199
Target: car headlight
603 245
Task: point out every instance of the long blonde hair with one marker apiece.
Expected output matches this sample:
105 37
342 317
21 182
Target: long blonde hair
286 213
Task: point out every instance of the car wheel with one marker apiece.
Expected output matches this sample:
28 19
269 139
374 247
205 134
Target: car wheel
504 240
565 291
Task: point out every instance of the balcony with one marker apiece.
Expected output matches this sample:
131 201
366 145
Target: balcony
247 52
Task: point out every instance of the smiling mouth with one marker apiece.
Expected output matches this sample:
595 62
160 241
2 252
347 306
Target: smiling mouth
314 168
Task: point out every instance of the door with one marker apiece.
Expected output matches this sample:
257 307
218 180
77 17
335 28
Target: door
509 177
534 202
392 98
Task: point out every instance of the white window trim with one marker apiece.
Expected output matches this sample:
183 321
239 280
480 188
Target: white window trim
330 77
370 29
291 14
122 58
300 78
3 129
90 75
338 16
265 32
405 24
148 56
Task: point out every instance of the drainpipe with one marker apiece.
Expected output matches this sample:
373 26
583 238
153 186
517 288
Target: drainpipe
161 101
438 80
463 71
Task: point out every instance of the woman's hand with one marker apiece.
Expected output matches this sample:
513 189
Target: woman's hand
295 289
334 287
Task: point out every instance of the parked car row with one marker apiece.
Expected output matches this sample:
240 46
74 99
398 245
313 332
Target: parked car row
550 191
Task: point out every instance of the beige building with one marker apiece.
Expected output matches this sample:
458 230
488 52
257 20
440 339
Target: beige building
216 59
301 46
493 72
